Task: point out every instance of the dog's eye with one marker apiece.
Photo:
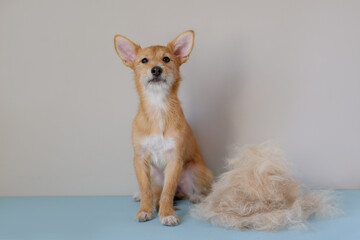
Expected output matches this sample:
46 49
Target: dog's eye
144 60
166 59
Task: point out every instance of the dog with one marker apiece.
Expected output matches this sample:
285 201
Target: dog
167 159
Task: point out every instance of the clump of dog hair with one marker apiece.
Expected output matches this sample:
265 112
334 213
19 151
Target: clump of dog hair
259 193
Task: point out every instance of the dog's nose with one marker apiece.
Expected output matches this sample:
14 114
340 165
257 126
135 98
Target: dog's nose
156 71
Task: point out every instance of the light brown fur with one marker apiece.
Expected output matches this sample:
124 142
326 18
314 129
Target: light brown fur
258 193
164 120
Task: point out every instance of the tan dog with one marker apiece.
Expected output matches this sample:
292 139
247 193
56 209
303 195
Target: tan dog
167 158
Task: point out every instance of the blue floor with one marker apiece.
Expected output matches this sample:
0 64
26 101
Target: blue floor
66 218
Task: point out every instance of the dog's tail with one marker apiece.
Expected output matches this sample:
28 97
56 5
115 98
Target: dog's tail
258 193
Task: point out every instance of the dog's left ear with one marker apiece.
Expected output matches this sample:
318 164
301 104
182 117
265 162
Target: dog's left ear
182 45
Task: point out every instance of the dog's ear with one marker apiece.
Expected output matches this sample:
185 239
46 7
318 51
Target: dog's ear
182 45
126 49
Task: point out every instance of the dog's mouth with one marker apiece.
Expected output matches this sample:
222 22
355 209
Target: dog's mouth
157 80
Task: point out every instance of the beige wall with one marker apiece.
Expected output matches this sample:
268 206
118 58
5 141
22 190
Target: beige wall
281 70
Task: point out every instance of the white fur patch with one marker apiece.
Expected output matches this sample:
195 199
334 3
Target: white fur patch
143 216
157 99
158 146
157 88
170 220
157 95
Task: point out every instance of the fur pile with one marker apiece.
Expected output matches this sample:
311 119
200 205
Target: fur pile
258 193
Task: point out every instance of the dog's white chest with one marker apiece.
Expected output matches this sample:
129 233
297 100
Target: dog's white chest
158 146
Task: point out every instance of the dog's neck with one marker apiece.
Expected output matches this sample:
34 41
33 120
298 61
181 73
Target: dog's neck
160 101
157 100
160 106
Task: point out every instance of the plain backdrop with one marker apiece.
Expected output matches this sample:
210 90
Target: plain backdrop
282 70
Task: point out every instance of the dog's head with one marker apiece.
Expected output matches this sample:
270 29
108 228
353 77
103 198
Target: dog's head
156 68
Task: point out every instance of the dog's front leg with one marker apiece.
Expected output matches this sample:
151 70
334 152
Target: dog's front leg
142 170
172 174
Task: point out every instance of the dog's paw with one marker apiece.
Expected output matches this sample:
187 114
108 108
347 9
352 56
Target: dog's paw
137 196
196 198
142 216
171 220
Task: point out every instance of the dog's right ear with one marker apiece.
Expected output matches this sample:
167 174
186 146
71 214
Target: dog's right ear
126 49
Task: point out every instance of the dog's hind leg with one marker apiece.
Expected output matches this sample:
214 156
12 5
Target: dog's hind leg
196 181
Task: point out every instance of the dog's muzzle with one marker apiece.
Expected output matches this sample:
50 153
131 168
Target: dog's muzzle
156 71
157 80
